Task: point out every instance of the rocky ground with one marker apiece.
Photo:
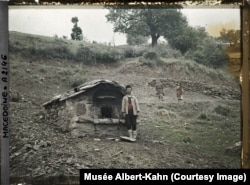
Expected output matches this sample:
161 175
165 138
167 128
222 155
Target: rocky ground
193 134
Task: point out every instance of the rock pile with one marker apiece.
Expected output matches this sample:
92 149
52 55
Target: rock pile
224 92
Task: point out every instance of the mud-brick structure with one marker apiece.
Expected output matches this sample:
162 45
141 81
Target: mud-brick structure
93 108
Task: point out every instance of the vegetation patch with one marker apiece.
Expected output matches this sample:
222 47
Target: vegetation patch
203 117
225 111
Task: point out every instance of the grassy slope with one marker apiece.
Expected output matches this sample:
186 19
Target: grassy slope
196 126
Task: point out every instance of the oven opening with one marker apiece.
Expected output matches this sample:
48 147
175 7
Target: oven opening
106 112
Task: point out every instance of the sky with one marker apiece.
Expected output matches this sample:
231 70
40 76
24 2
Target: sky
51 21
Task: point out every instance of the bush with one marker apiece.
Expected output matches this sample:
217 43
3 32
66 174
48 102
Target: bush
222 110
210 53
108 57
97 54
203 117
131 51
151 55
147 62
167 51
42 69
77 80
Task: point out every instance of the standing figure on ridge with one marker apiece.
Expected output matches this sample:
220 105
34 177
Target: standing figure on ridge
179 91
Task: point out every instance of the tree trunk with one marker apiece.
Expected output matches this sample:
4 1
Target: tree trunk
154 40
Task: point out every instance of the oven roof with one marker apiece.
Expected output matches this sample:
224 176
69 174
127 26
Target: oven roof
83 89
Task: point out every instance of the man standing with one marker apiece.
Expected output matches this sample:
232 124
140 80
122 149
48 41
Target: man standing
130 110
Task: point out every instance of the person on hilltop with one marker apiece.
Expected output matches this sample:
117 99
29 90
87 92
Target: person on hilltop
130 110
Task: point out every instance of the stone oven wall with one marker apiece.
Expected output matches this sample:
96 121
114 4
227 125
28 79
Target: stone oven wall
76 115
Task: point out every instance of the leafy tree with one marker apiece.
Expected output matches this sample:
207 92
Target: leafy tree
209 53
76 31
230 36
145 21
184 37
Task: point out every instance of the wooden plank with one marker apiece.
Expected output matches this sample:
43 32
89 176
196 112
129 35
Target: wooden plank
245 83
108 121
125 138
103 97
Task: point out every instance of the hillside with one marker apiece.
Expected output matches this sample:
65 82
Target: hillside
196 133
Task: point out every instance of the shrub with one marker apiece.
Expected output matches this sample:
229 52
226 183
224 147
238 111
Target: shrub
96 54
150 63
129 52
108 57
85 55
222 110
77 80
210 53
151 55
203 117
167 51
42 69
